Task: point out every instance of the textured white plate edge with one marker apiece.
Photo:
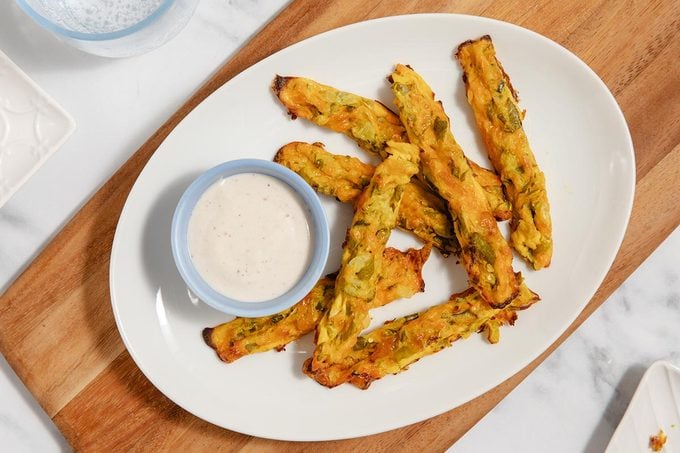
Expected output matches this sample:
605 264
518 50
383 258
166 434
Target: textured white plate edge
660 366
71 126
520 364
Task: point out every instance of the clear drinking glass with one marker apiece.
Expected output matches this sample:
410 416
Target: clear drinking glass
111 28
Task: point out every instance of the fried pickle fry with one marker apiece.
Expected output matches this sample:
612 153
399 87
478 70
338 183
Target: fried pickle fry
485 254
345 178
391 348
361 266
498 117
369 123
401 278
341 177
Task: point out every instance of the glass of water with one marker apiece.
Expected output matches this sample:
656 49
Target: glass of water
111 28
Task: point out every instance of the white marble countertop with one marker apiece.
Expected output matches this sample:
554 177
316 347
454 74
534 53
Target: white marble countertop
572 402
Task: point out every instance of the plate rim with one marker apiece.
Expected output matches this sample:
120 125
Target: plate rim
521 364
654 368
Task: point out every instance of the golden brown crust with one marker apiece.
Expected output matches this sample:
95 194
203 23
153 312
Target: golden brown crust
492 327
279 83
368 122
398 344
484 252
487 39
344 177
494 191
207 337
499 120
401 277
341 177
372 275
365 121
375 216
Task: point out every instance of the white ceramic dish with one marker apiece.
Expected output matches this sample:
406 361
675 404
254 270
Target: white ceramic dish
655 405
32 127
577 132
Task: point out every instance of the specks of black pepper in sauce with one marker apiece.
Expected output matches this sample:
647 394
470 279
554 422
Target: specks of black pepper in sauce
249 237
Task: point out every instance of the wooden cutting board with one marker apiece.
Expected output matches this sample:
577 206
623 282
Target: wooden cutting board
56 325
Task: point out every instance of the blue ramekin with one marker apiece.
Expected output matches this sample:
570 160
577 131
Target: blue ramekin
318 231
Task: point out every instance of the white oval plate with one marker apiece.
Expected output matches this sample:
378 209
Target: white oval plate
581 142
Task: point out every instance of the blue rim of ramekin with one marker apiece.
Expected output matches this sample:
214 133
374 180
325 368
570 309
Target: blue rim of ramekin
318 231
51 26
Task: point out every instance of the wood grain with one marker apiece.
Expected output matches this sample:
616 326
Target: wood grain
56 325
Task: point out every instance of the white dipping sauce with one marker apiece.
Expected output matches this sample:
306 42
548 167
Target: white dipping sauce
249 237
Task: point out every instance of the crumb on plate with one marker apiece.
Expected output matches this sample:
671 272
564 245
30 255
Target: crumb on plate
657 442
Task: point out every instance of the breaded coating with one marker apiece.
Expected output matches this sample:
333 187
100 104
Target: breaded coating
361 266
391 348
493 191
369 123
657 442
345 178
498 117
485 254
401 278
